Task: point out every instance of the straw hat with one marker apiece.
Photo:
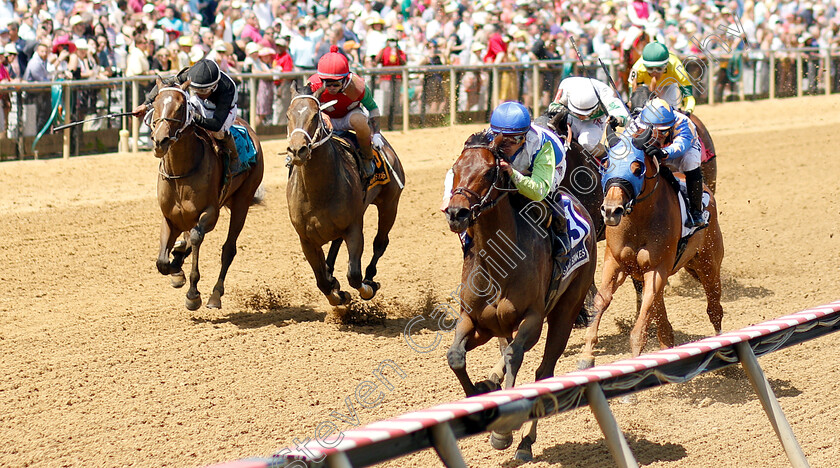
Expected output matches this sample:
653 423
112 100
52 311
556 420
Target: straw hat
251 48
266 51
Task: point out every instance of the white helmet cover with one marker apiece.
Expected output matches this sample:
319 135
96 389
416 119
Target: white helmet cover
582 97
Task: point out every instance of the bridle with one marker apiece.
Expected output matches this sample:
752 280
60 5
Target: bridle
322 127
623 185
183 125
483 203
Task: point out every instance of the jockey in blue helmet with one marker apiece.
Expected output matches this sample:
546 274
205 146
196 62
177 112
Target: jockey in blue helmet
671 137
535 161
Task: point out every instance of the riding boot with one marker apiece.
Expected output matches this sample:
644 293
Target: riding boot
694 184
368 165
563 243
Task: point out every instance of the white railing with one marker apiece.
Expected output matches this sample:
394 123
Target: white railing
506 410
763 75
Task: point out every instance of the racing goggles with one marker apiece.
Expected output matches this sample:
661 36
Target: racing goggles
516 138
333 83
204 91
661 132
659 69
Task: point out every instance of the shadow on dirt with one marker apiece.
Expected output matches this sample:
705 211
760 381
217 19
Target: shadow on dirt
266 308
589 454
732 289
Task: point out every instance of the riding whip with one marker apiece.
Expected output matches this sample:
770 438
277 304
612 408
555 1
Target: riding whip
73 124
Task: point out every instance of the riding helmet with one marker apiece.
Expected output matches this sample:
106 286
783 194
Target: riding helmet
582 97
510 117
333 65
658 113
204 74
655 54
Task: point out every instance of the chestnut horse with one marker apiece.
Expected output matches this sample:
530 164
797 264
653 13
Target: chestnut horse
708 164
327 201
191 191
506 275
644 227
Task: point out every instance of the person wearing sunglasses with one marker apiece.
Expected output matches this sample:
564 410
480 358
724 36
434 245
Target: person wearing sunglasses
213 95
671 137
587 105
664 74
353 106
534 159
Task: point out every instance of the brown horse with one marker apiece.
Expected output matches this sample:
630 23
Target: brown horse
629 58
191 191
327 200
506 276
644 228
708 164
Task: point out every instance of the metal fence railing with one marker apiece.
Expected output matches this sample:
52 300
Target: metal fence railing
409 97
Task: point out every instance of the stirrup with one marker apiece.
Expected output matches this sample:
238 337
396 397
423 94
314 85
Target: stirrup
695 220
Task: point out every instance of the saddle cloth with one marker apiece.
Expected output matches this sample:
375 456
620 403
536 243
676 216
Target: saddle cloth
245 149
578 230
683 197
381 175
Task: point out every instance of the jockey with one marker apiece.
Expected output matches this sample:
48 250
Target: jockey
355 108
584 101
664 74
535 163
213 96
673 141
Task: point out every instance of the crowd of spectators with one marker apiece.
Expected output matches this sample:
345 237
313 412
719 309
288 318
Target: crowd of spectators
42 40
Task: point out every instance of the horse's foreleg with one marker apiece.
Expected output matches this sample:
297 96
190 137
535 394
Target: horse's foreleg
206 223
525 339
238 213
466 338
611 280
664 330
328 285
654 287
387 216
181 250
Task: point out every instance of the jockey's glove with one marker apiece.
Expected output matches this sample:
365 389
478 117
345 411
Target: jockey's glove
655 152
377 141
554 107
615 122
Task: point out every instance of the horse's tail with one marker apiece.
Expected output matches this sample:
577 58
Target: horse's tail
586 313
259 195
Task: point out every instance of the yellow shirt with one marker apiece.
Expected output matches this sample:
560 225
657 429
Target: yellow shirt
674 74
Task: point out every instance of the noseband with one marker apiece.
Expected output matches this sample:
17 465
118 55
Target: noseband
483 203
322 128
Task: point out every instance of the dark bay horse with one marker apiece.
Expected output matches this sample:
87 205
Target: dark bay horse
191 192
644 228
708 164
327 200
506 276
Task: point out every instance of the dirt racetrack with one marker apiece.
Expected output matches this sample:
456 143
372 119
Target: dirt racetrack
103 366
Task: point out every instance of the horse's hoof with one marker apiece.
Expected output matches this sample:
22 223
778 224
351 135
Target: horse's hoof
486 386
524 455
501 441
193 304
178 280
215 302
368 289
586 363
345 297
523 452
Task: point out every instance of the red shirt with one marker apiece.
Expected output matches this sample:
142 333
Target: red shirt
390 57
495 46
345 103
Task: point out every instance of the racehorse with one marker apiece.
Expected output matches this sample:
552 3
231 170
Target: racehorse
500 297
629 58
327 199
191 191
708 163
644 228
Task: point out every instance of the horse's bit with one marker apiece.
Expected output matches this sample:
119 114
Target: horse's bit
484 203
322 128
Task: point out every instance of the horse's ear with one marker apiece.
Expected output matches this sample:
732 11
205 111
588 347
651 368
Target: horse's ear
320 92
294 88
185 85
159 82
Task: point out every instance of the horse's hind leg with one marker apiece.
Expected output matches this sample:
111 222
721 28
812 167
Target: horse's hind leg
331 256
654 288
611 280
355 246
387 216
709 276
238 213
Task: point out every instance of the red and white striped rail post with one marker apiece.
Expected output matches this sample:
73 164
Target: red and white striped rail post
440 426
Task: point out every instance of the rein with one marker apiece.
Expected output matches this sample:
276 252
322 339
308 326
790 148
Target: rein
484 203
322 128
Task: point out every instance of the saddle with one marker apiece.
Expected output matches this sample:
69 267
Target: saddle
347 140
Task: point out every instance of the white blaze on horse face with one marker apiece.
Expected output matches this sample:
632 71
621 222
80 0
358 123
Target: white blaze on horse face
167 100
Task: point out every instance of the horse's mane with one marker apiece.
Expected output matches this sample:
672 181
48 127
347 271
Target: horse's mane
483 139
640 97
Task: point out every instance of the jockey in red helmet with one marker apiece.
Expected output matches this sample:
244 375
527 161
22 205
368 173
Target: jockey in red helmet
355 108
